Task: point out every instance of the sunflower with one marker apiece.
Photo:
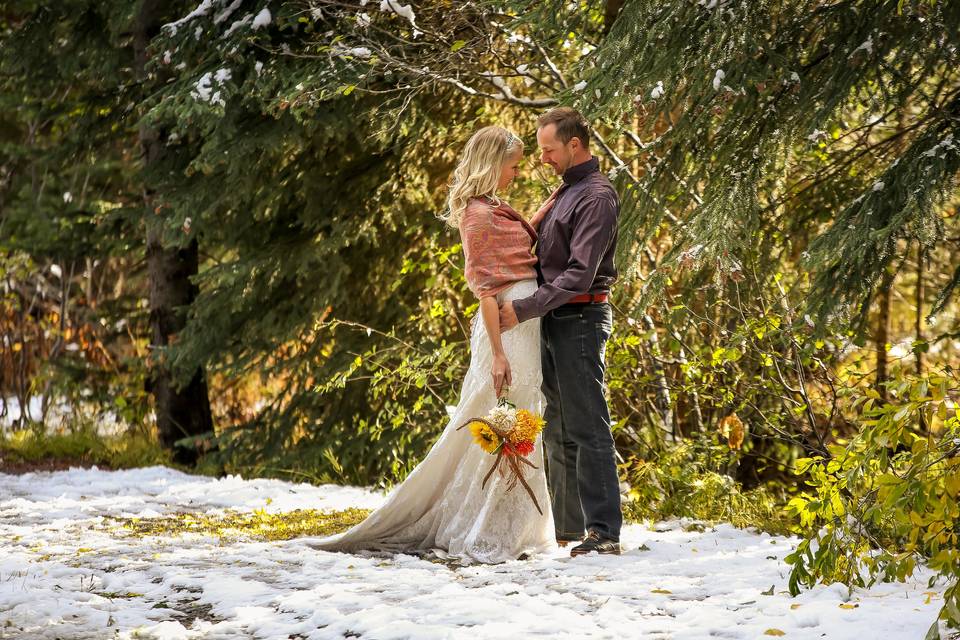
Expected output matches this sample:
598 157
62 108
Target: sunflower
484 436
528 426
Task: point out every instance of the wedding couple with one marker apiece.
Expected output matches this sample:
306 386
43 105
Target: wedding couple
539 338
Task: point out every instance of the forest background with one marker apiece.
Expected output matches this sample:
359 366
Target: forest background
219 234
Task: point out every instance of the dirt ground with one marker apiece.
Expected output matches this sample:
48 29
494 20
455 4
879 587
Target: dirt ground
13 466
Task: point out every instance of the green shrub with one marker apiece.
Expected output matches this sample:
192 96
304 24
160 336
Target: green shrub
82 444
684 482
888 499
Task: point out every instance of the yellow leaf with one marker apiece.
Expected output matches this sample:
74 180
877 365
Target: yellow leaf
849 606
661 591
952 484
794 607
774 632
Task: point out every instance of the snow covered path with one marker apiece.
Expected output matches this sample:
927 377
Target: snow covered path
65 575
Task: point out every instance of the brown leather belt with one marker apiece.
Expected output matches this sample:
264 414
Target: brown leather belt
588 298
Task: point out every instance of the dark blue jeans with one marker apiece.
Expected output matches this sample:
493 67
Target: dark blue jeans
581 459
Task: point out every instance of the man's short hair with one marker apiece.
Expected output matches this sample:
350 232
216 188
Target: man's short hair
569 124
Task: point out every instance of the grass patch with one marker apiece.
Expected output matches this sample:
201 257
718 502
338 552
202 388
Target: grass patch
81 446
236 525
677 487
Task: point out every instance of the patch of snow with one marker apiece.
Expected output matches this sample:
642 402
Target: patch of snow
202 9
402 10
245 20
223 15
867 46
718 79
207 91
59 413
940 149
262 19
68 574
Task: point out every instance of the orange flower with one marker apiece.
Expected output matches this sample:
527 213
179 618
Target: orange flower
528 427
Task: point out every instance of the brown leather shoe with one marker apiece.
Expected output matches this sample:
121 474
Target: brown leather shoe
595 542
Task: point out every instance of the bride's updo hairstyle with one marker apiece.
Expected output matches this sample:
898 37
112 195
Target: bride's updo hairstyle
479 169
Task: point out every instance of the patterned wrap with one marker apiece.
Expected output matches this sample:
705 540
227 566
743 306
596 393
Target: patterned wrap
497 244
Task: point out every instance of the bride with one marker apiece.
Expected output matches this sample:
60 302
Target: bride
441 506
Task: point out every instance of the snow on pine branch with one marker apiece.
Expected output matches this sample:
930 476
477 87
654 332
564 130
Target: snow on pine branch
206 87
402 10
206 7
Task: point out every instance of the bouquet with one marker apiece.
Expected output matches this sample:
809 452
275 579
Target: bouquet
509 433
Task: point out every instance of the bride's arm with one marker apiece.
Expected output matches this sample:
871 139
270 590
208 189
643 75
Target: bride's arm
491 320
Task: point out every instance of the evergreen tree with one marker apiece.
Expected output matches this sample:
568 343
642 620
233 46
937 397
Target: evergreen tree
77 70
827 128
312 198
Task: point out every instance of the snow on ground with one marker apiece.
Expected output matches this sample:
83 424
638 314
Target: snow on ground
59 414
63 576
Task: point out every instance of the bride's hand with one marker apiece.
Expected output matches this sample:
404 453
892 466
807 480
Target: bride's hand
544 209
501 373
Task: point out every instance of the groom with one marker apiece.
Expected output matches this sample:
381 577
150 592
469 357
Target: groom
577 241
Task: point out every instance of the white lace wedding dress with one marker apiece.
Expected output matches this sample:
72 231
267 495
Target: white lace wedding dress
441 507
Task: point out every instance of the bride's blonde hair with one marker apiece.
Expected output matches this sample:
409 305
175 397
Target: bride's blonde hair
479 169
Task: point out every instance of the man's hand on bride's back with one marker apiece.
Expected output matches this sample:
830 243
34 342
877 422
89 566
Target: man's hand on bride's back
508 317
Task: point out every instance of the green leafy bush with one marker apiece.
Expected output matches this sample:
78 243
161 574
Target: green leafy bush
887 500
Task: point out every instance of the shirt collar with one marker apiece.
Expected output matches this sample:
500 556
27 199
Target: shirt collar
576 173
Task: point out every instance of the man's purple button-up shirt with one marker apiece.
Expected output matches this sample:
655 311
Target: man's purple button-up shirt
578 239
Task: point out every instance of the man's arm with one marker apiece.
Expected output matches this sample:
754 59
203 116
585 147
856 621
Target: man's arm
595 229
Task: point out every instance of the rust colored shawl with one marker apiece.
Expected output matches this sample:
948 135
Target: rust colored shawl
497 244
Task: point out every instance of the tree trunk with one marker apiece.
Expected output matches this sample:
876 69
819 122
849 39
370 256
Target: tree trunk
663 402
919 350
180 412
882 336
918 324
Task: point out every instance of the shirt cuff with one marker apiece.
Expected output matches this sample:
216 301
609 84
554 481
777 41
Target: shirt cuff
525 308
